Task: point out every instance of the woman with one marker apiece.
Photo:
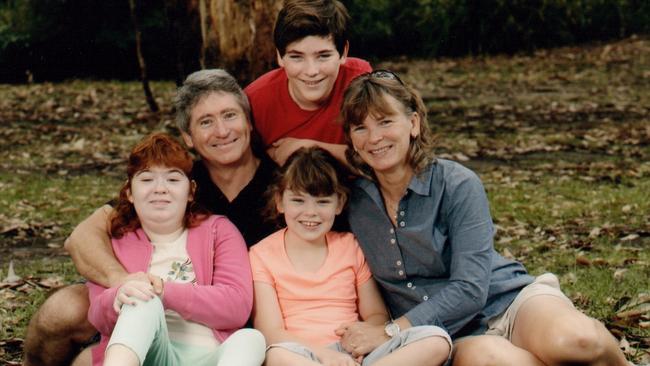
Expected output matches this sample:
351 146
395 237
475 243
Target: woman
425 228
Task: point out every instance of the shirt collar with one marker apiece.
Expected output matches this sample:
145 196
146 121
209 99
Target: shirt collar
420 184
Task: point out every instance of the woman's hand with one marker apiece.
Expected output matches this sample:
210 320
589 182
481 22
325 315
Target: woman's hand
330 357
361 338
132 290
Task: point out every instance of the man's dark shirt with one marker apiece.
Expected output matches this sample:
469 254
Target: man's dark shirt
245 211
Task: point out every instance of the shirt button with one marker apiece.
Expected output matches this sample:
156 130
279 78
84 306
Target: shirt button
399 263
425 297
401 213
400 272
392 241
409 285
402 224
392 231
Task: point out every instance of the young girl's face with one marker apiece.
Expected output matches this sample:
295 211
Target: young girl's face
309 218
160 195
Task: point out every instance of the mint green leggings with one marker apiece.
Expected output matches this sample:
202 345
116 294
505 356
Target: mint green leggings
143 329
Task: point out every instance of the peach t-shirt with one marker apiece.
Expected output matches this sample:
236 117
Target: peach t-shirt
313 304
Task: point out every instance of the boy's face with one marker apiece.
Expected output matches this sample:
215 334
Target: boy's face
312 66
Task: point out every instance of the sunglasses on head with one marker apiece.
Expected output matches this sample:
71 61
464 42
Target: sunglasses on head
383 74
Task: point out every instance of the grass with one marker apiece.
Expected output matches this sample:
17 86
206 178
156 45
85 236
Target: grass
560 139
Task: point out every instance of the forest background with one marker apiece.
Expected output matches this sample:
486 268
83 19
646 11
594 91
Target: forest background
548 100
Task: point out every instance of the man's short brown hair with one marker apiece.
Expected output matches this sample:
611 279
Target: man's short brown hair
303 18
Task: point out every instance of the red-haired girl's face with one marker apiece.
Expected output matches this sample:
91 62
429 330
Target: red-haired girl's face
160 196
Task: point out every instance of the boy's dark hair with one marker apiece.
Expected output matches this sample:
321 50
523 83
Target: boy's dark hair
310 170
303 18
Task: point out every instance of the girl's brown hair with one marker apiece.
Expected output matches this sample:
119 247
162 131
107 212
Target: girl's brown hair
158 149
366 95
310 170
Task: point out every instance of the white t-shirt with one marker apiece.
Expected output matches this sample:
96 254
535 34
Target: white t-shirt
172 263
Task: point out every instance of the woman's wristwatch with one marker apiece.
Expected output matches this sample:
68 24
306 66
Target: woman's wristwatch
391 329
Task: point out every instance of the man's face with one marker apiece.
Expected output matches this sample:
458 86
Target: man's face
219 130
312 66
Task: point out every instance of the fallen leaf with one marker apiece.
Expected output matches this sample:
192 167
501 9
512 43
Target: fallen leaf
620 273
630 237
583 261
594 233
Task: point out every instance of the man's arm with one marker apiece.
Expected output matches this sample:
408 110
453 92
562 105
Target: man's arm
89 245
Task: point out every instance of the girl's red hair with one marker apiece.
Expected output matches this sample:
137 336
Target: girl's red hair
158 149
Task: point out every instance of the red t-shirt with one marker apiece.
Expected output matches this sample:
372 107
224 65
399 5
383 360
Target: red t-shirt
276 115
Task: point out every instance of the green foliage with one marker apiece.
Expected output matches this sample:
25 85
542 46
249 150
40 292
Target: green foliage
458 27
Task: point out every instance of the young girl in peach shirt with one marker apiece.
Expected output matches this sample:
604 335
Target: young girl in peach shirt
310 282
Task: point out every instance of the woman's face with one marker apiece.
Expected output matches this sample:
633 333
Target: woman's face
219 130
160 195
383 141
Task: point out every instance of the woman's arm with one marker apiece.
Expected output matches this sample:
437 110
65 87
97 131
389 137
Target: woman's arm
226 302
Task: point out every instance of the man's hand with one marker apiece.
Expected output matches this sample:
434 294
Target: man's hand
130 291
361 338
281 149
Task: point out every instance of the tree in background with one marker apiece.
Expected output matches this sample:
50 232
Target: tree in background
237 36
144 78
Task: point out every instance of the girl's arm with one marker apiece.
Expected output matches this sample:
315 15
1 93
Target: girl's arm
101 313
225 303
371 306
367 334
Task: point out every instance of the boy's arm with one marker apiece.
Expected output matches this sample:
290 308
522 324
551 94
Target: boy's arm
90 248
284 147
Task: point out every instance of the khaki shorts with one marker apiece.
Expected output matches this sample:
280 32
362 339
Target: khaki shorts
405 337
546 284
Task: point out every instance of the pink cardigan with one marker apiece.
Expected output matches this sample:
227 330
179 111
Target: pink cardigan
222 299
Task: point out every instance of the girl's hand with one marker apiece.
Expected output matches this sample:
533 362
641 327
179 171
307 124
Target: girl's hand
329 357
361 338
132 290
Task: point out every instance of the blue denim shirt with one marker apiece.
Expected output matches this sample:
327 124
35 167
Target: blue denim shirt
438 265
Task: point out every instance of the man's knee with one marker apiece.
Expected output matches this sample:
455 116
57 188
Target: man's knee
64 314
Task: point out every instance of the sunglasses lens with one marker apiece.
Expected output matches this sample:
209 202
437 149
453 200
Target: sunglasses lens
385 74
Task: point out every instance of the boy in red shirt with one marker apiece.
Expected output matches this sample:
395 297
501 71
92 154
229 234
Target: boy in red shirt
297 104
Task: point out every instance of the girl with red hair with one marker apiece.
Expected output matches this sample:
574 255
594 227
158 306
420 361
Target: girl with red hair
207 294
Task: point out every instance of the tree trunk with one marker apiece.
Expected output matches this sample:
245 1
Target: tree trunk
185 35
238 36
153 106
